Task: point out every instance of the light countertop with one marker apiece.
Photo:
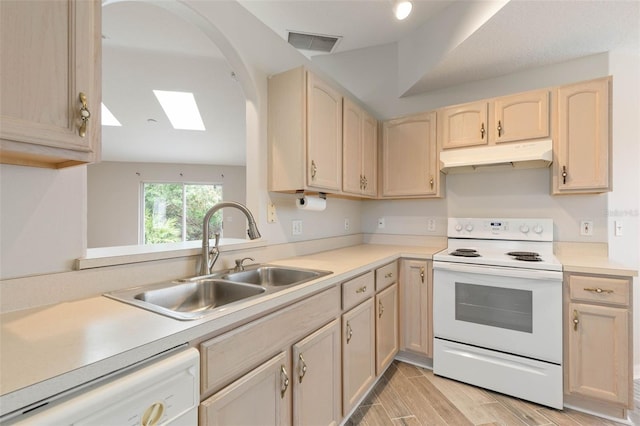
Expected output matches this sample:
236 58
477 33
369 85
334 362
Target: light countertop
47 350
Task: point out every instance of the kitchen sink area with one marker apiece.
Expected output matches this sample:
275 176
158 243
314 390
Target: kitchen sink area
194 298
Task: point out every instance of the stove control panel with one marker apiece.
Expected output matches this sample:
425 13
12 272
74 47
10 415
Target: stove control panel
501 229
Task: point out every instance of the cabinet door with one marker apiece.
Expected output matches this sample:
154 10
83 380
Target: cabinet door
583 138
261 397
409 162
50 54
386 327
352 176
523 116
416 307
358 356
464 125
316 378
324 135
369 155
598 338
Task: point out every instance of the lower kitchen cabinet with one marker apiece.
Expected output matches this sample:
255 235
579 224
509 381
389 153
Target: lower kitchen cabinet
317 387
386 327
416 291
260 397
598 332
358 354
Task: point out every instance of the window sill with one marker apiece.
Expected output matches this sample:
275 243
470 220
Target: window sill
123 255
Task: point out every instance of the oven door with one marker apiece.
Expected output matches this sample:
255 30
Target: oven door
512 310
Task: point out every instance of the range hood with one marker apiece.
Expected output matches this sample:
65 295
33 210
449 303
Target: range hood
497 157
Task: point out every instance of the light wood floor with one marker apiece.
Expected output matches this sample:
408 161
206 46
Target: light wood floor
409 395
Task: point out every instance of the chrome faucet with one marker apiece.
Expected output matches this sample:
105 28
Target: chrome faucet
209 256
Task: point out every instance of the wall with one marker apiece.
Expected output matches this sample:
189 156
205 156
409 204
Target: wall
113 197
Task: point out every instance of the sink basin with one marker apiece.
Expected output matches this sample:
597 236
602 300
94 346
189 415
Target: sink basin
187 300
273 276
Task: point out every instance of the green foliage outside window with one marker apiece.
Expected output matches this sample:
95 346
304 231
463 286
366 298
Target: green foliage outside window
174 212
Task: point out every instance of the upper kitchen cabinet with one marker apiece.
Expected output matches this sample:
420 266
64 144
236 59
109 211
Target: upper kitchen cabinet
523 116
409 157
359 138
582 163
305 133
51 82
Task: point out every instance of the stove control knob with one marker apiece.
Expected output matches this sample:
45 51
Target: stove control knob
469 228
537 229
458 227
524 229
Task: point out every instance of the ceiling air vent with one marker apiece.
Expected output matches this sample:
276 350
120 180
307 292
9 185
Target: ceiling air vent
313 42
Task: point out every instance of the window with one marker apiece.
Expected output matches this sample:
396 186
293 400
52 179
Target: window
173 212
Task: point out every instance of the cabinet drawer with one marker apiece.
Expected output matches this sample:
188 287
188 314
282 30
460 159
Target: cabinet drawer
230 355
386 275
614 291
357 290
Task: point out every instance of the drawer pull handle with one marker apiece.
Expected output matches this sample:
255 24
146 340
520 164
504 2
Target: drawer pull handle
482 131
499 128
84 115
389 275
349 333
576 321
564 175
422 274
314 170
380 309
362 289
598 290
284 381
303 368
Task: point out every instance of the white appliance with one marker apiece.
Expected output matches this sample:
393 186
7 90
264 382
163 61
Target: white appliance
497 308
165 391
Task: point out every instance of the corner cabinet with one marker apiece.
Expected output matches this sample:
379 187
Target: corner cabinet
304 133
360 145
598 342
51 79
409 157
582 162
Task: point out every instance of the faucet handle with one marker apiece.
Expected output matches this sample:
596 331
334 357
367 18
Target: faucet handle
239 263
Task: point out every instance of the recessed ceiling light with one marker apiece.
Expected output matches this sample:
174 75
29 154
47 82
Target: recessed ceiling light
108 119
181 109
402 9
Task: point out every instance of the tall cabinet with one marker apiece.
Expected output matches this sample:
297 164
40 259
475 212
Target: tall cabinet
51 82
416 303
304 133
360 144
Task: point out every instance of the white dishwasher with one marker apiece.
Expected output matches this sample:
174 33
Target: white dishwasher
164 391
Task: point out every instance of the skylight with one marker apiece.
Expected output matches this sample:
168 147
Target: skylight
181 109
108 119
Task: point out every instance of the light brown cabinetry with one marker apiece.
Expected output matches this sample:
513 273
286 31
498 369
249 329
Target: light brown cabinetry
409 157
582 141
304 133
358 354
523 116
416 293
317 385
360 135
598 332
387 341
51 53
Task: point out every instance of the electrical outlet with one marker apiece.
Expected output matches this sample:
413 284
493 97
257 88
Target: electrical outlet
617 228
272 217
380 222
431 225
347 225
296 227
586 228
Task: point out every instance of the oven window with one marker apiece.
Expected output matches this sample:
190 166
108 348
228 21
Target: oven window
494 306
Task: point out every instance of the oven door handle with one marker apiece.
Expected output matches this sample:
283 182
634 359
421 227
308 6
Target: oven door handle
531 274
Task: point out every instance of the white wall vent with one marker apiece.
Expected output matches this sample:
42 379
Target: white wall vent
313 42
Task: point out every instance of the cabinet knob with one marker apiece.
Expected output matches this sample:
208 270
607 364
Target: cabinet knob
482 131
84 115
422 274
576 321
349 332
380 309
362 289
314 170
431 182
564 174
499 128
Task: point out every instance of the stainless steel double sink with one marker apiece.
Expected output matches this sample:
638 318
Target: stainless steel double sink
197 297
